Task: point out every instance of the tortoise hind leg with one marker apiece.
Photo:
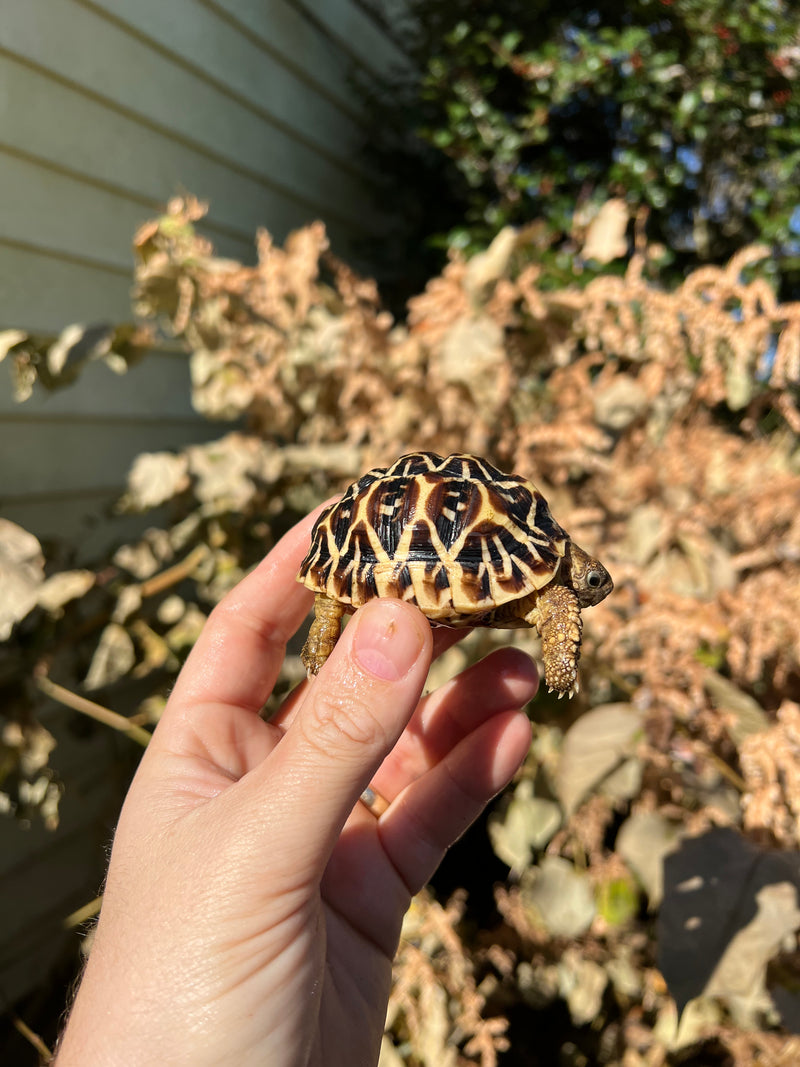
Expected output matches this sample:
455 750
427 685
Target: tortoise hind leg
324 633
557 616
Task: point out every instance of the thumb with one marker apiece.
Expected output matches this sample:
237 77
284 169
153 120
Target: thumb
350 719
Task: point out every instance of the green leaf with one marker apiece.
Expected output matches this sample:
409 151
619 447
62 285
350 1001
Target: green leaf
688 103
617 901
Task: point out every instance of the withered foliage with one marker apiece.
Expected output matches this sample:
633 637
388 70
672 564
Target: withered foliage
436 1006
663 428
770 763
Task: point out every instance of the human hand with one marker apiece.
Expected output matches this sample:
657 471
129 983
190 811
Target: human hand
253 905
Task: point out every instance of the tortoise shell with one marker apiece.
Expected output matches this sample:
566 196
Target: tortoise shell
453 535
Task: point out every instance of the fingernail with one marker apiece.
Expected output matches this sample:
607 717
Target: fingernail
387 642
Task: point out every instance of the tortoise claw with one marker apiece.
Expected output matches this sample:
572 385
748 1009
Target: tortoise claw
563 693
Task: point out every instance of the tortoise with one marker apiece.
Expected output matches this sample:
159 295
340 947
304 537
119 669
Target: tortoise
469 545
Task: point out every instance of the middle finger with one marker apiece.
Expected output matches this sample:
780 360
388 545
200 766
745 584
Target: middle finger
504 681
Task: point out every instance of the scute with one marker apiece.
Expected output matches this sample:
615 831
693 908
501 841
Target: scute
454 535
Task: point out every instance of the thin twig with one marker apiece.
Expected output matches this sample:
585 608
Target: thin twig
705 750
82 915
22 1027
172 575
94 711
724 769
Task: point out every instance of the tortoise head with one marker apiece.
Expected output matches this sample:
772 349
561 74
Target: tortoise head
585 576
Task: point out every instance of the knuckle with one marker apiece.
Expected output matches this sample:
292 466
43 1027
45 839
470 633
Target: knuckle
342 722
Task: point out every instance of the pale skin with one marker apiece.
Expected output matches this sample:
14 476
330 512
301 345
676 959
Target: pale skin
253 905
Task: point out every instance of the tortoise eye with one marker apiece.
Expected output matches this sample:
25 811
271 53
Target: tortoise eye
594 579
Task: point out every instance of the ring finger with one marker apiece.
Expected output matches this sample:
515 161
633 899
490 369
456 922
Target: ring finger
502 682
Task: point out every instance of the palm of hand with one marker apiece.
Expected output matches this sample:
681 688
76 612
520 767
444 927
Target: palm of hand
273 899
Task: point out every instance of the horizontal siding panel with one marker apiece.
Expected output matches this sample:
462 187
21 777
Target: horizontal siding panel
90 223
392 13
55 883
74 42
45 119
43 293
157 387
107 109
61 455
219 53
354 31
86 522
301 45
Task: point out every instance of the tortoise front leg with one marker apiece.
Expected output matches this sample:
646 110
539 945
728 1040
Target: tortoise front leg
324 633
557 617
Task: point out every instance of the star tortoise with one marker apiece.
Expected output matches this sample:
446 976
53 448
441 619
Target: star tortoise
469 545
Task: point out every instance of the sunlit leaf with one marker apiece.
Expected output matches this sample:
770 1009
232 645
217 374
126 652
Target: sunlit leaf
600 742
728 906
21 574
113 658
526 824
643 841
559 897
60 588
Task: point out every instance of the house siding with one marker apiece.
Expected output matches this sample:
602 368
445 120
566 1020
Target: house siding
108 108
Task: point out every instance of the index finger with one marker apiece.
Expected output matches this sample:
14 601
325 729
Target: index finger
238 655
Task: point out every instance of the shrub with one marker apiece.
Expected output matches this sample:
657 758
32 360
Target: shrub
663 428
510 113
